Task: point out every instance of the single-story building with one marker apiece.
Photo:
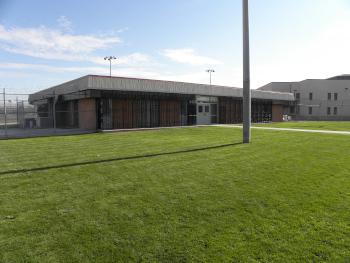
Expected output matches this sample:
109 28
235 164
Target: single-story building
100 102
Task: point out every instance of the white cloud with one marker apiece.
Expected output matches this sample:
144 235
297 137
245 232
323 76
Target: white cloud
188 56
221 77
54 69
134 59
122 30
65 24
42 42
99 70
52 44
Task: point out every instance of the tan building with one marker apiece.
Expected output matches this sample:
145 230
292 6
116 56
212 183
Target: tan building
99 102
317 99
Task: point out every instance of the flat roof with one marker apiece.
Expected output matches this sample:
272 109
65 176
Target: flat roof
95 82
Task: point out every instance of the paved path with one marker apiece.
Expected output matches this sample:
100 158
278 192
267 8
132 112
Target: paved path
288 129
17 133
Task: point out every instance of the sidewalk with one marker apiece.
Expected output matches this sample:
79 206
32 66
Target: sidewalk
288 129
16 133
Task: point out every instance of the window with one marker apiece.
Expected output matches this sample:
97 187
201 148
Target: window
335 96
310 96
329 96
310 110
335 111
292 109
206 109
200 109
329 111
297 96
214 113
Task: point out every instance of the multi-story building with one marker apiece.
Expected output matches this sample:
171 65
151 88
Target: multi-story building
317 99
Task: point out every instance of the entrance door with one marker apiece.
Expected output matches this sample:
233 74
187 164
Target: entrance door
203 114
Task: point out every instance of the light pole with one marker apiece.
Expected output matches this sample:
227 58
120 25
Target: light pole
210 71
246 76
110 58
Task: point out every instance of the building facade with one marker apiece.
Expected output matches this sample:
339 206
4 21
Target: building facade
99 102
317 99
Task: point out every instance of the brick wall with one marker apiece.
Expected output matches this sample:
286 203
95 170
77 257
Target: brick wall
277 113
87 114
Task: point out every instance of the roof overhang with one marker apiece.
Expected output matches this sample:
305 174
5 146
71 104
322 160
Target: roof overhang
92 82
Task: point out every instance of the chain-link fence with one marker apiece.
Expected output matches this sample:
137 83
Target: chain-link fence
20 119
53 114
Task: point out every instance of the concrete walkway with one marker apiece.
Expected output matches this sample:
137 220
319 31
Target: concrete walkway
17 133
289 129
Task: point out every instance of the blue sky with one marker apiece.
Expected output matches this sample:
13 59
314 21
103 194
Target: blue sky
43 43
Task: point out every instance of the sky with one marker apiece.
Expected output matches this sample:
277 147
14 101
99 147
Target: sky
44 43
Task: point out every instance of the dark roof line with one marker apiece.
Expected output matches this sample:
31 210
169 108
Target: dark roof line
341 77
171 81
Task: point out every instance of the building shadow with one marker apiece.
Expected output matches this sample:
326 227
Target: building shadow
151 155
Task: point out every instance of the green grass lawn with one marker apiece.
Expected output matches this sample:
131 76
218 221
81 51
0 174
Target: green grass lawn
311 125
284 198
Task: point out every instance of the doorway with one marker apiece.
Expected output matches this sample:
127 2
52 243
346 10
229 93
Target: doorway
206 113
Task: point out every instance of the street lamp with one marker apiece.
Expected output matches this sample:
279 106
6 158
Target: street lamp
110 58
246 75
210 71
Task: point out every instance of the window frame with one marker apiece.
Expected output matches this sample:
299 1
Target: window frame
329 96
200 108
311 96
310 111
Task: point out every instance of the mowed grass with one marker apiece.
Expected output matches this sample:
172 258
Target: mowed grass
284 198
311 125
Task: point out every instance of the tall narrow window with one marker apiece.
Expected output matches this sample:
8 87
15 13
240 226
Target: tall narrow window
297 96
335 111
292 109
335 96
329 96
310 96
329 111
310 110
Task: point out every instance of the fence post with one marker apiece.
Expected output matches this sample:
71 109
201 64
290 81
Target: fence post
23 115
5 112
54 111
17 112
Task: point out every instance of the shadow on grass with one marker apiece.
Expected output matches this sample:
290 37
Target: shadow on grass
44 168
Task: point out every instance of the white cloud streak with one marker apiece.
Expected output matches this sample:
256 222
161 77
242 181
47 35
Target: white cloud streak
98 70
42 42
65 24
188 56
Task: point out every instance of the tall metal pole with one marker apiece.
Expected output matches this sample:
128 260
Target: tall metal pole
54 110
210 71
110 68
246 76
5 112
110 58
17 118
